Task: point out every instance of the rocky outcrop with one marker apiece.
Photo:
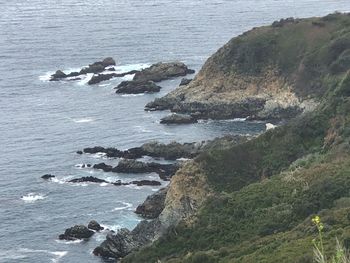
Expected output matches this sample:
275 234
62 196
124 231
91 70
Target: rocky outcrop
254 76
121 244
76 232
95 226
153 205
96 67
103 166
178 119
162 71
170 151
87 179
137 87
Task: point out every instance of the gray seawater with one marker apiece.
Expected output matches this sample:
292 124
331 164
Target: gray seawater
42 124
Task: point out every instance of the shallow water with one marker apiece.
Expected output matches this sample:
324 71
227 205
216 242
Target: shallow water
42 124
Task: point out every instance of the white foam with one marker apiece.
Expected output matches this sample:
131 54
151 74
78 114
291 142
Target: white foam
32 197
59 255
125 206
239 119
69 241
270 126
133 95
46 76
104 184
115 228
83 120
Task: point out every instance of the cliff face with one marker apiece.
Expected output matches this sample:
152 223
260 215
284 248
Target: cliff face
253 201
271 72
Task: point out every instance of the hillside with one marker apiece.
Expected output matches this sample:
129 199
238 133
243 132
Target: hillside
253 201
270 72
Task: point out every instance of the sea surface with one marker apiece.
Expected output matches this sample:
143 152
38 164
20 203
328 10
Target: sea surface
43 124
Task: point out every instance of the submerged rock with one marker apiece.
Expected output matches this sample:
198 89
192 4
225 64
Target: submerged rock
95 226
76 232
103 77
89 179
47 176
153 205
178 119
137 87
146 183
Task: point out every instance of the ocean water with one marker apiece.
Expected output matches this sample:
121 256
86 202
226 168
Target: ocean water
42 123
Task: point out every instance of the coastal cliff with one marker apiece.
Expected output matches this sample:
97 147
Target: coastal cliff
270 72
253 201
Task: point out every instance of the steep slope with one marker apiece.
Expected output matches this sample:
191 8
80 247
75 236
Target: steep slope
260 195
271 72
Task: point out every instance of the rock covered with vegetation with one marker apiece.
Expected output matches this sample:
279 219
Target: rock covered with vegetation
270 72
262 194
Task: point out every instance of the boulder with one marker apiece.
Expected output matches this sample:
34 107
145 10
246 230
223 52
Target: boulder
76 232
185 81
137 87
47 176
95 226
178 119
89 179
162 71
153 205
108 62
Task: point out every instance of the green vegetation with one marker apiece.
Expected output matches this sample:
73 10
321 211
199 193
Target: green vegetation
268 189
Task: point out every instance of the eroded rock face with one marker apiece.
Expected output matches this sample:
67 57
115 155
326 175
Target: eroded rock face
178 119
162 71
76 232
124 242
137 87
153 205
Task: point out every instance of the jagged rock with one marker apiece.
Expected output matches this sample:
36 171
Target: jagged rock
95 226
178 119
136 87
185 81
162 71
153 205
102 77
47 176
89 179
76 232
59 74
125 241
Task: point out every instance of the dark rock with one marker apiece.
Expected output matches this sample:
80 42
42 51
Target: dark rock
162 71
95 226
95 149
146 182
76 232
100 77
125 241
185 81
59 74
153 205
89 179
165 171
48 176
88 165
137 87
178 119
103 166
73 74
95 68
79 152
108 62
